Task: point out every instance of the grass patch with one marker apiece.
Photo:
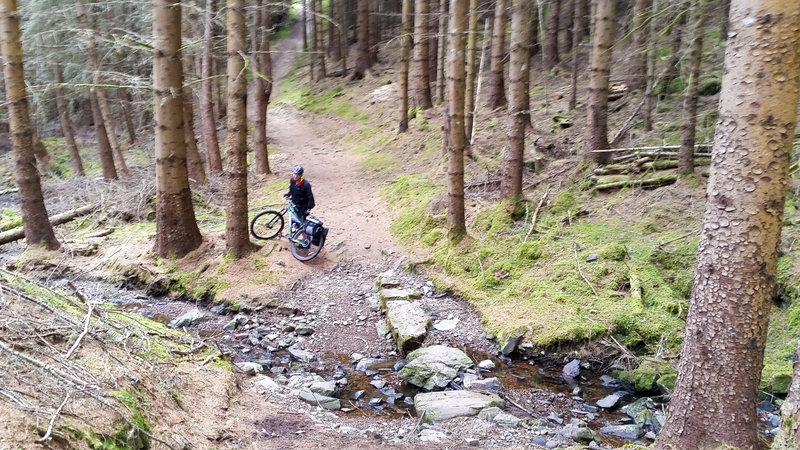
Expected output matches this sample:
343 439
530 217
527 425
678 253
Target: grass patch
295 92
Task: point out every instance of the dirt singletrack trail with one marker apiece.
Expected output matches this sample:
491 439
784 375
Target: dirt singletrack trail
345 201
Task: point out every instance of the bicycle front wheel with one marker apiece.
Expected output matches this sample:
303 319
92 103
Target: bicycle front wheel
304 248
266 225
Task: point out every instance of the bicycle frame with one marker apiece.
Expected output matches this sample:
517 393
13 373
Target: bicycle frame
294 219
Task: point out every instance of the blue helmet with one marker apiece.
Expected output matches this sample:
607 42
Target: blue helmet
298 170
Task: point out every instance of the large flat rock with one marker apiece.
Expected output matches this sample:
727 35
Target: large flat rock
448 404
408 323
388 295
434 367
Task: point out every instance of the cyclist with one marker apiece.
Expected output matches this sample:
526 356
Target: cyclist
300 192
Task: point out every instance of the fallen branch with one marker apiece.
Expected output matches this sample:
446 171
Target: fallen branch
659 147
9 191
85 330
663 244
577 262
536 214
53 420
16 234
525 410
648 182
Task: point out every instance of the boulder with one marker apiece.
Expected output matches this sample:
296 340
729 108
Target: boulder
266 383
486 364
300 354
319 400
371 366
408 323
192 317
645 377
640 411
434 367
608 402
508 342
445 405
388 295
488 384
326 388
623 431
571 370
250 368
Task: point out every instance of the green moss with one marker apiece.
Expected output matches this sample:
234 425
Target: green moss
613 252
297 93
409 197
9 220
133 435
710 86
565 201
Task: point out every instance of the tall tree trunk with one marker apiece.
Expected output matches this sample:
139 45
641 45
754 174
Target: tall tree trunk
433 41
497 95
334 47
469 83
637 62
597 110
317 52
420 75
343 37
194 163
304 19
652 50
551 58
726 9
176 228
519 98
374 32
405 36
362 44
237 239
207 118
577 26
263 88
103 146
66 123
124 102
442 47
686 152
35 222
714 401
102 99
456 222
567 23
673 65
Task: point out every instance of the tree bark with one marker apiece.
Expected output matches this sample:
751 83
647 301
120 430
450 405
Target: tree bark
551 58
362 44
714 401
456 222
637 62
194 163
124 101
469 83
207 117
34 214
685 161
433 41
519 98
343 37
405 36
263 88
237 240
66 123
673 65
577 26
421 67
334 50
103 146
597 108
102 99
442 46
317 52
374 32
176 228
652 50
496 82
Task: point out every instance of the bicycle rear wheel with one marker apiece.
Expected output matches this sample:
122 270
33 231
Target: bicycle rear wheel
266 225
306 249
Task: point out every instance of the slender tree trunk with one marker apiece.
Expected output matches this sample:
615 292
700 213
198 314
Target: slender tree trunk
66 123
103 146
519 98
652 50
221 107
334 46
362 44
714 401
551 58
35 222
472 52
207 118
433 42
194 163
673 65
726 9
456 222
577 26
102 99
597 108
421 67
567 23
317 52
176 228
442 47
686 152
405 36
374 32
237 240
124 102
343 37
304 18
262 88
497 95
637 62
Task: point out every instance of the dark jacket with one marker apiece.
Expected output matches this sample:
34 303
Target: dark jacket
302 196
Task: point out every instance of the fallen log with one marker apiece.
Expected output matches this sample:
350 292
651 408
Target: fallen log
9 191
663 180
18 233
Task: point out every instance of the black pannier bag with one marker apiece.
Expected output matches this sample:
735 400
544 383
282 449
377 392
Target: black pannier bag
313 227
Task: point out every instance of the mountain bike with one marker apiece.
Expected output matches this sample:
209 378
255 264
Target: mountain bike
306 237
